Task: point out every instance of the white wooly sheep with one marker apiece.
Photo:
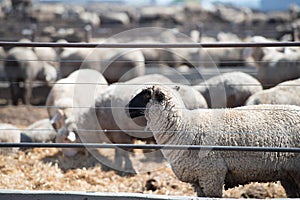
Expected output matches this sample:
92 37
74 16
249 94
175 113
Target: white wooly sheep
23 65
274 65
230 89
114 64
69 97
208 171
121 64
284 93
191 97
278 67
253 56
9 133
39 131
72 59
47 54
224 56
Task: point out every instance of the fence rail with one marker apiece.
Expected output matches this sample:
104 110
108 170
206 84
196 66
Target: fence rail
153 146
150 45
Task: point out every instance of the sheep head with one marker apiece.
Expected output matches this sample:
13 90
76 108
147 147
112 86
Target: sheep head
65 127
155 94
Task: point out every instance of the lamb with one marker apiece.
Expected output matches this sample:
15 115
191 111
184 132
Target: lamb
9 133
230 89
260 126
22 65
39 131
284 93
69 97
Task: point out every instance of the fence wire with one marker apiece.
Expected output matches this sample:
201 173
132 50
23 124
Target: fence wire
153 146
150 45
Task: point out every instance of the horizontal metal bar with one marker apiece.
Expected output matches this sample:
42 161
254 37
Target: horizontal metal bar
130 131
153 146
204 84
149 45
13 194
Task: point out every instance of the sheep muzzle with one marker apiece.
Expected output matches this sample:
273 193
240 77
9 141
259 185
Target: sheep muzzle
137 105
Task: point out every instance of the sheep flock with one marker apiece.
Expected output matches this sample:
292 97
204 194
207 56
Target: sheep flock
230 97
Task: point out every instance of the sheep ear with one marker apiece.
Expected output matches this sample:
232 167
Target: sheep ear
56 118
48 78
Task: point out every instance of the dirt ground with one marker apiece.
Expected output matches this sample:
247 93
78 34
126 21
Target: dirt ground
48 169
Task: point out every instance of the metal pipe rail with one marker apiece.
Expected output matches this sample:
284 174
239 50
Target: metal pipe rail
154 146
149 45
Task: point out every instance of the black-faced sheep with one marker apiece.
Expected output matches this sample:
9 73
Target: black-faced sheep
284 93
230 89
208 171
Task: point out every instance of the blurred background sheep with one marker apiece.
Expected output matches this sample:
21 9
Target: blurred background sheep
9 133
39 131
22 66
284 93
70 96
230 89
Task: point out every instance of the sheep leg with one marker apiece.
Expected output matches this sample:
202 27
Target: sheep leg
212 185
120 156
292 188
14 91
213 177
198 190
128 163
28 91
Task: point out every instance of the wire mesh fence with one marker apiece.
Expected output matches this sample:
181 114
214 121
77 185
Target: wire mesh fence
141 46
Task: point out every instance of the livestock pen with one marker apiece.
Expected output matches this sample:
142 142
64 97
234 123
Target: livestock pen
74 171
